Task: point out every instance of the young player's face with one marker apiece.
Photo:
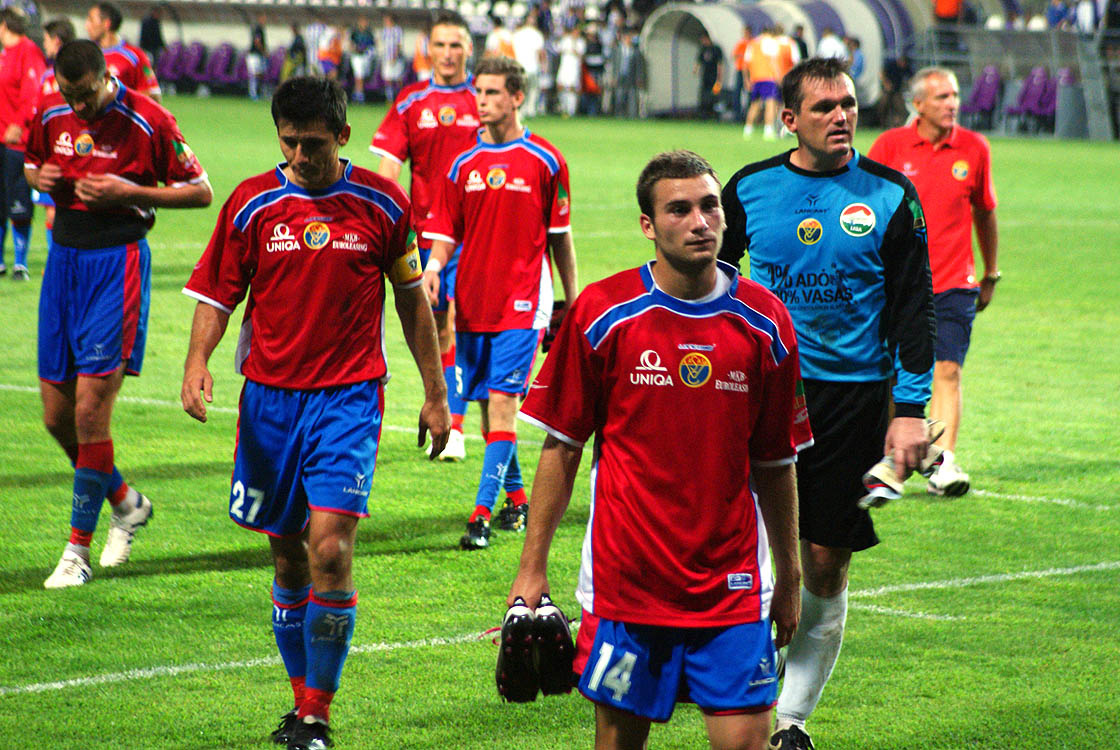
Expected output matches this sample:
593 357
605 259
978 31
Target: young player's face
51 45
87 96
938 109
825 123
312 152
687 223
96 26
496 105
449 47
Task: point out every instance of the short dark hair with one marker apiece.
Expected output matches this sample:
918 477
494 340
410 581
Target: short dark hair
670 165
450 18
110 11
15 19
500 65
307 99
818 68
79 57
61 29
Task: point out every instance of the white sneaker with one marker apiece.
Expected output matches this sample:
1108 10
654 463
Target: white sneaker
948 480
455 450
72 570
126 518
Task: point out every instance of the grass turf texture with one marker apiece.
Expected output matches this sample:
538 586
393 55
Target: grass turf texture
175 649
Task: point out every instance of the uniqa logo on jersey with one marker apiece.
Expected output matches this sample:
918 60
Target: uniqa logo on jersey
282 240
695 369
83 145
650 371
857 219
316 235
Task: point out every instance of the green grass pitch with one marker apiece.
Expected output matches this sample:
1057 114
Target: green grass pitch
989 621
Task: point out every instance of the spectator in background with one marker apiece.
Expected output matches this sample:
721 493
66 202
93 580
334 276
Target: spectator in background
528 49
500 39
361 56
799 40
1058 15
257 60
151 34
739 59
329 52
570 70
893 77
709 66
1085 14
594 70
764 71
422 58
625 70
390 47
296 61
544 18
856 62
831 45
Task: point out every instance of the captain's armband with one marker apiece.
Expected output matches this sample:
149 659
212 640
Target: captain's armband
407 268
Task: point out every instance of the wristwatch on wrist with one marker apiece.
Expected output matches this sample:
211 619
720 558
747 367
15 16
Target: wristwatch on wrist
993 277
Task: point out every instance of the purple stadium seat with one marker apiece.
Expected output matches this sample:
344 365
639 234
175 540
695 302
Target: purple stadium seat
1042 114
275 65
169 66
238 75
982 100
193 69
1027 102
219 62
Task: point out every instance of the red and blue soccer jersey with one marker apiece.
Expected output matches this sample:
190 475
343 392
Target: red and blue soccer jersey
131 65
501 201
431 125
133 139
682 397
316 263
21 67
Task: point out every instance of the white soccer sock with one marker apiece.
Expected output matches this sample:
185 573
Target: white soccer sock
811 655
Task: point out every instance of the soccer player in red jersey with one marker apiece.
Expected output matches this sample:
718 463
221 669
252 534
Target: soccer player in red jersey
312 243
697 504
21 67
518 181
125 61
951 167
101 154
429 124
55 34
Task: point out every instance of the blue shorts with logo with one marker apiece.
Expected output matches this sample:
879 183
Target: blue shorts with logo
500 361
955 310
646 669
93 311
304 450
16 192
447 274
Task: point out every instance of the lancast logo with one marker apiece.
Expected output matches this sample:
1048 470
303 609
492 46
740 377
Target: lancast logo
857 219
809 231
316 235
427 119
649 370
736 381
960 169
282 240
64 145
695 369
496 177
359 486
84 145
446 115
474 181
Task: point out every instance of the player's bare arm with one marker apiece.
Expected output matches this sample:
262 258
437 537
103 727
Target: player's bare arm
207 329
552 491
105 191
563 251
906 442
441 253
419 329
987 236
389 168
777 498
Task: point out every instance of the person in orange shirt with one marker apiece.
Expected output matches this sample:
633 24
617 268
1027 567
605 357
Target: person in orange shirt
422 58
763 71
739 57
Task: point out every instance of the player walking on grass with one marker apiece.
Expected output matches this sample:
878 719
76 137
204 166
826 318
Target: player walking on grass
428 125
100 151
311 242
682 501
951 167
506 200
841 240
125 61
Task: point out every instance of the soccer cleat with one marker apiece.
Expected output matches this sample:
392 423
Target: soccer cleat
123 526
516 675
513 517
882 481
284 729
477 536
948 481
310 735
72 570
455 450
791 738
555 650
20 273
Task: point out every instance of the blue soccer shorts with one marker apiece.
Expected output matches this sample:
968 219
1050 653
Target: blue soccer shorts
955 310
447 275
93 311
299 451
646 670
501 361
16 191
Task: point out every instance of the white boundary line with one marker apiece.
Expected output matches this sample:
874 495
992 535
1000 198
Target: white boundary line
1052 500
171 671
905 613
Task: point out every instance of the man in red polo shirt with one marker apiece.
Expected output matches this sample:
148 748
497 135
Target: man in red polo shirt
952 169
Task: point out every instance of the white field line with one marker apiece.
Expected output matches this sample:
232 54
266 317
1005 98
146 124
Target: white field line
152 672
904 613
1051 500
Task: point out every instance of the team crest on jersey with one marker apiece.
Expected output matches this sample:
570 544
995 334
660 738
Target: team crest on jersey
446 115
960 170
474 181
83 146
316 235
809 231
427 119
64 145
695 369
857 219
496 177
